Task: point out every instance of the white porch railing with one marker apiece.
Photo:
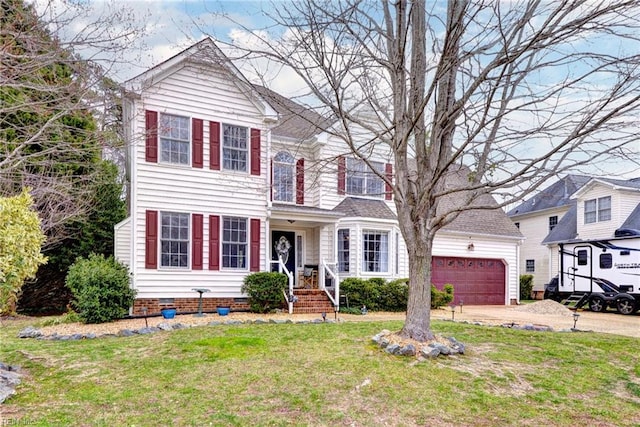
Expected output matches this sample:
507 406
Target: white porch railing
335 298
282 268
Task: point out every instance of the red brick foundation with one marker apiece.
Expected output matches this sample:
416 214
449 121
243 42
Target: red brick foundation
187 305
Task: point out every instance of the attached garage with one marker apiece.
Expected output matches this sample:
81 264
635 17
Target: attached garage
476 281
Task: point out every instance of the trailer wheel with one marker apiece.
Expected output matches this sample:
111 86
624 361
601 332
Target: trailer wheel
597 305
625 306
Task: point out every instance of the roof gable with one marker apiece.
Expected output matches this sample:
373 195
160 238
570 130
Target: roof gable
556 195
207 53
357 207
614 184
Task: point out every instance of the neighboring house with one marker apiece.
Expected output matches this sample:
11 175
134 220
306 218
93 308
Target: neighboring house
601 208
536 218
572 209
226 175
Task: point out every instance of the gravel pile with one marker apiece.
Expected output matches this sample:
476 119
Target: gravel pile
546 306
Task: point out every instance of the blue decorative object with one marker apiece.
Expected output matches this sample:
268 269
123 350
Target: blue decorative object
168 313
223 311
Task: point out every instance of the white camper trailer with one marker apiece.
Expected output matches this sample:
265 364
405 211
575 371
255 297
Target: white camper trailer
600 273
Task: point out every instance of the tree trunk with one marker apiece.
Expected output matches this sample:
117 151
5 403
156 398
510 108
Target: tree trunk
419 248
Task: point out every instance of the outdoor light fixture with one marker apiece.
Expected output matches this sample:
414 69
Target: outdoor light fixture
470 246
144 313
461 304
324 316
453 312
575 319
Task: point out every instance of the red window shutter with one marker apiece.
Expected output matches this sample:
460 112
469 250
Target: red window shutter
254 251
196 241
214 242
388 192
214 145
341 175
151 240
197 146
300 182
255 151
151 139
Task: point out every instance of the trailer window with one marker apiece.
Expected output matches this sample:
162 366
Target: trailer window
606 261
583 257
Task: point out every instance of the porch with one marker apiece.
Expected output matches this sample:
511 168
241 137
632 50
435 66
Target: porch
302 245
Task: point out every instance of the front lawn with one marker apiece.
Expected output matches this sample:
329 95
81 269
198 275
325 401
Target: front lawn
321 375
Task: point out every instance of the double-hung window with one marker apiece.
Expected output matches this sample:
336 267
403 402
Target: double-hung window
596 210
234 243
283 177
553 221
174 240
234 148
375 251
530 266
343 250
361 180
175 139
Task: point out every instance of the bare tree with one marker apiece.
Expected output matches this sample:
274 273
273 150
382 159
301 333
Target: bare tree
514 93
51 82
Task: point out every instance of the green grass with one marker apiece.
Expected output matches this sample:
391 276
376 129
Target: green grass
321 375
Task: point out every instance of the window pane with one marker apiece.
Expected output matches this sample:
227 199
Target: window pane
234 242
175 139
174 239
375 251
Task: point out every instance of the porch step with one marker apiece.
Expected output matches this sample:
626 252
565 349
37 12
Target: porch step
576 300
312 301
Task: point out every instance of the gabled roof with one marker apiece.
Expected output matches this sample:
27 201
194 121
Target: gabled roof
633 220
566 229
616 184
205 51
364 208
295 120
556 195
485 221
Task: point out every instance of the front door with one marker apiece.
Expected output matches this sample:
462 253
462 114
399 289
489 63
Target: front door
283 245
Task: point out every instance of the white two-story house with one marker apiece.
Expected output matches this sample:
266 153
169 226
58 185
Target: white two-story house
228 177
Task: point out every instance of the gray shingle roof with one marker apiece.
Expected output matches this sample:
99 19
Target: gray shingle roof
554 196
364 208
295 121
566 229
633 220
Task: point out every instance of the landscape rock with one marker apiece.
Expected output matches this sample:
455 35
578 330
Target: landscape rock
9 379
429 352
407 350
392 348
29 332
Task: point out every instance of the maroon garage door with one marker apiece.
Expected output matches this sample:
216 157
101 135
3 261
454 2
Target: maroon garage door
475 281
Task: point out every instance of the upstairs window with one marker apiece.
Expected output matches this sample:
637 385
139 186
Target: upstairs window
362 181
234 148
597 210
175 139
553 221
283 177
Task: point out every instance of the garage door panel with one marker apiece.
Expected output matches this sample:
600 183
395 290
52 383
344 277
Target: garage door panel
475 280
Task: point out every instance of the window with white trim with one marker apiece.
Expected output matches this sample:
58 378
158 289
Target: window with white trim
234 148
175 139
375 251
361 180
234 243
174 240
283 177
343 250
596 210
553 221
530 266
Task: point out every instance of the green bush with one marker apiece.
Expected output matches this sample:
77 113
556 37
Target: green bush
362 292
526 286
100 288
394 295
440 298
265 291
